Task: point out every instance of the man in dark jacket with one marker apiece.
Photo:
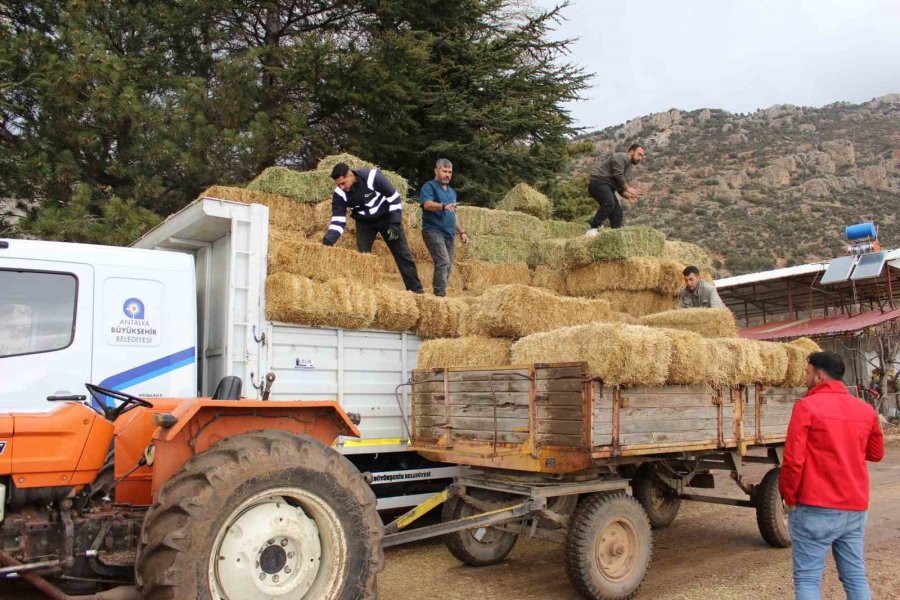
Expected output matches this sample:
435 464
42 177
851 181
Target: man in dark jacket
824 480
377 208
614 175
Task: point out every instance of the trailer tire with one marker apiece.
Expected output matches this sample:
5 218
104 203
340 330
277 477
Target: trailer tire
298 513
478 547
660 502
770 514
608 547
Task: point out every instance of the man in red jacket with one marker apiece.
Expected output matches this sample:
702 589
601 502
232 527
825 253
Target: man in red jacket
824 479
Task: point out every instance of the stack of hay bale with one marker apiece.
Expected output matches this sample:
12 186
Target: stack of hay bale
527 289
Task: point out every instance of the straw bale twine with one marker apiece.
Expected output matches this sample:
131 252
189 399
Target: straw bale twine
694 360
284 213
515 311
708 322
439 317
564 229
618 354
631 274
323 263
471 351
638 304
550 279
528 200
354 162
338 303
612 244
396 310
485 221
477 276
688 254
741 361
774 358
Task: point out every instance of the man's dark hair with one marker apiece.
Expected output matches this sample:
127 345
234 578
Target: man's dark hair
339 170
828 362
634 147
691 269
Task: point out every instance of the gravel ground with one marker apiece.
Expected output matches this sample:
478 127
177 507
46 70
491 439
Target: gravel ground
710 552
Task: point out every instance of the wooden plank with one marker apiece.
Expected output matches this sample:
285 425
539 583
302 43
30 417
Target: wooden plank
478 436
476 423
559 427
668 412
556 398
519 398
670 426
669 391
653 438
573 372
487 374
570 441
656 401
436 387
559 385
568 413
473 410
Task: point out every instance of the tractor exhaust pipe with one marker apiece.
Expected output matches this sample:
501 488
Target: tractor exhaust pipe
54 593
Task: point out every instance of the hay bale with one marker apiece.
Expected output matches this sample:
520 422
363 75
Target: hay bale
354 162
338 303
550 279
807 344
471 351
694 360
323 263
514 225
395 310
631 274
798 352
774 358
612 244
284 213
638 304
478 276
741 361
550 251
708 322
439 317
497 249
515 311
688 254
301 186
564 229
469 323
526 199
618 354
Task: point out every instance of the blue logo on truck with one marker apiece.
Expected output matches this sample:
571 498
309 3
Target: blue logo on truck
133 308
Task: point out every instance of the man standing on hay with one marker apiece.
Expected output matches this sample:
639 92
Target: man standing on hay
614 175
824 480
440 223
377 208
697 293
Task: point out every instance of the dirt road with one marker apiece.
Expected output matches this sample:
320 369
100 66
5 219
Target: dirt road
711 552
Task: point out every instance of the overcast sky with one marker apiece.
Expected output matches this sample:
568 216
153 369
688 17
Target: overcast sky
737 55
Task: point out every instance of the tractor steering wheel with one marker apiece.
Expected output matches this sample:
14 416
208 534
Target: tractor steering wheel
127 401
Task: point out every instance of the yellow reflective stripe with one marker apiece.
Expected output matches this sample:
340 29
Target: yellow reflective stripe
407 518
373 442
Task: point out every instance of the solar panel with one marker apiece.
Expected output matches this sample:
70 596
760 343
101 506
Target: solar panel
869 266
839 270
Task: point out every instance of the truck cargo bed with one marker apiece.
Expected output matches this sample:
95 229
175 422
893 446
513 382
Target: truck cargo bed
553 418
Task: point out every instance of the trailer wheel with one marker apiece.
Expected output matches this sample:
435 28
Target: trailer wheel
660 502
771 516
262 515
481 546
608 547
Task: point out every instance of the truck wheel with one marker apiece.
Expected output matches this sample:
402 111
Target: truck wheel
262 515
770 514
477 547
660 502
608 547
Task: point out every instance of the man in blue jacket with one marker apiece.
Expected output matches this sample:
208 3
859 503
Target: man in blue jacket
440 223
377 208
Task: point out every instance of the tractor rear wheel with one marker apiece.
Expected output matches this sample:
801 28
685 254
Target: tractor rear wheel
266 514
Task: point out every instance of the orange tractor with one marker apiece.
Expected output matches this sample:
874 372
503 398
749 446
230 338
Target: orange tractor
201 498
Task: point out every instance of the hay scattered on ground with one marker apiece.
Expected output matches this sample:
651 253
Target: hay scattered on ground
301 186
396 310
565 229
497 249
472 351
439 317
526 199
515 311
741 361
708 322
284 213
323 263
477 276
338 303
550 279
618 354
694 360
638 304
688 254
354 162
774 358
510 224
612 244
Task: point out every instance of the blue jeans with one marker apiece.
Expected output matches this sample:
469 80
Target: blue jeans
814 531
442 249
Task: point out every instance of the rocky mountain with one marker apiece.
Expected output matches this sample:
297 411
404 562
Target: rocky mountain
772 188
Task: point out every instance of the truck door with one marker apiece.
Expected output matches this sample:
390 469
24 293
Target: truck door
46 332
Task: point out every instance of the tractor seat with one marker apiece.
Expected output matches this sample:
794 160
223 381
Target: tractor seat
229 388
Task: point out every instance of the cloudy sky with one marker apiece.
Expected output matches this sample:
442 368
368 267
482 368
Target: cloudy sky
737 55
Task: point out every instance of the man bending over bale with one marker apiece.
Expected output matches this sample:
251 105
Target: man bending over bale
614 175
697 293
440 223
377 208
